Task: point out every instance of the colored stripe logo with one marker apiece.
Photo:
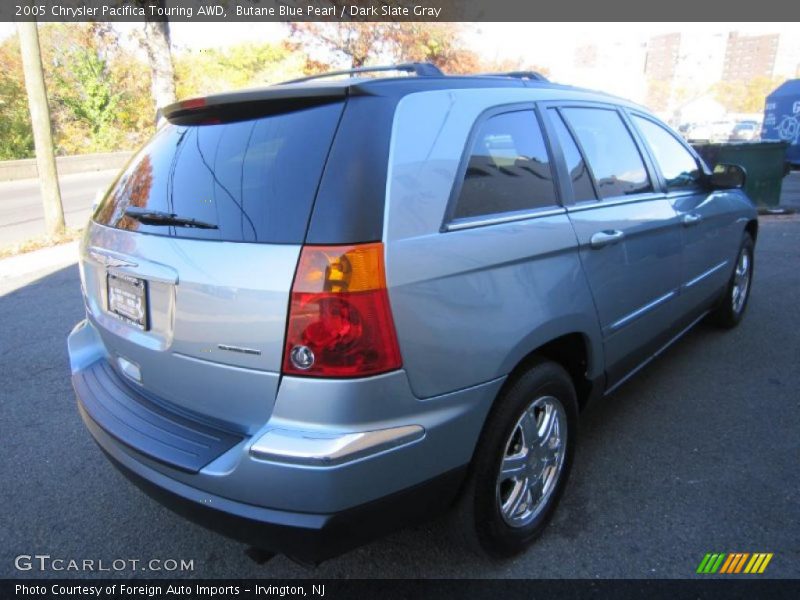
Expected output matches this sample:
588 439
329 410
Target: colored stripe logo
734 562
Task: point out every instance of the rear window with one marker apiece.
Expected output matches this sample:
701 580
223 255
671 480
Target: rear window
254 180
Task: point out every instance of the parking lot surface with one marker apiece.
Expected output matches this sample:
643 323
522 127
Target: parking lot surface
698 453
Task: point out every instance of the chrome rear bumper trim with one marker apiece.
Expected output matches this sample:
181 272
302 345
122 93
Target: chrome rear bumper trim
316 448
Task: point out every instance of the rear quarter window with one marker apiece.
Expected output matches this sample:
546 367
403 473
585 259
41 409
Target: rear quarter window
254 179
508 168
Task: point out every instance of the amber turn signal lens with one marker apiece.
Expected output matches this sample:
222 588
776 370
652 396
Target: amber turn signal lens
341 269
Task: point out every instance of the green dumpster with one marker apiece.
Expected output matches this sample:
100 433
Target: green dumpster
764 163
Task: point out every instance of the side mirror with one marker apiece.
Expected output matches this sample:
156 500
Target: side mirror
726 177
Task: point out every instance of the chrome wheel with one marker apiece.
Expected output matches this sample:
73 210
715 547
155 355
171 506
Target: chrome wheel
741 282
533 461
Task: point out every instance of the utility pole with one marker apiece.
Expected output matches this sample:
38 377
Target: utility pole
40 121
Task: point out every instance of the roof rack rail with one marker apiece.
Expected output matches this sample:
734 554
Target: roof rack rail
531 75
418 68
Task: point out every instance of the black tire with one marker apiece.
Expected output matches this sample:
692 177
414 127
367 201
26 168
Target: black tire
728 313
478 520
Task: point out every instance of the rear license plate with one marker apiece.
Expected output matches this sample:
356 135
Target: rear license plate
127 299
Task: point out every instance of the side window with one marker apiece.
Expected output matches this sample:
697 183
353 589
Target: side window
678 166
508 168
610 151
581 179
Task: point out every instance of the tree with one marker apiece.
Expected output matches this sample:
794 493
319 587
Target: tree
437 43
157 44
658 95
745 96
354 42
16 136
132 78
360 43
100 89
215 70
92 100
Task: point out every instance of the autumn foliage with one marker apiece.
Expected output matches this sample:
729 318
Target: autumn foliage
99 80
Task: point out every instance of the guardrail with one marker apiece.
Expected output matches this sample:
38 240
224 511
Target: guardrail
81 163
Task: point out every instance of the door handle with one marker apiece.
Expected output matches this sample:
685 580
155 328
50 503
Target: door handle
606 238
691 219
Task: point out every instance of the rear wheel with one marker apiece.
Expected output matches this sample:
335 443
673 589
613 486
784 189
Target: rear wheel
731 308
521 463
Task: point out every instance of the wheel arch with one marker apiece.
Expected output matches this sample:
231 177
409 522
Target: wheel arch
752 228
577 350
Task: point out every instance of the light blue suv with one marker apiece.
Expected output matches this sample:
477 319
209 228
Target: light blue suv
319 311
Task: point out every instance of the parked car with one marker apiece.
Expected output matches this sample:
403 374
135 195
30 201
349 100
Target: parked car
319 311
698 132
684 129
746 131
721 130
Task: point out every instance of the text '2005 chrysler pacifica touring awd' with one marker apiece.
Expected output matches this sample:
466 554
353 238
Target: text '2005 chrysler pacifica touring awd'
321 310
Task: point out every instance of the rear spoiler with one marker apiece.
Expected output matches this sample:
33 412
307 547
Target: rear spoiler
250 104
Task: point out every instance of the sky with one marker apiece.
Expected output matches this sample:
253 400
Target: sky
552 44
546 44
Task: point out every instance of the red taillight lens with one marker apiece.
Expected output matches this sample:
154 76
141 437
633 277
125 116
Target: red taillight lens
340 322
193 103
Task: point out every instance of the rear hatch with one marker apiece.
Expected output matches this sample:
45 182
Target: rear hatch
188 263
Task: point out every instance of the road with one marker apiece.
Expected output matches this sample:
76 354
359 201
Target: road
21 213
790 190
699 453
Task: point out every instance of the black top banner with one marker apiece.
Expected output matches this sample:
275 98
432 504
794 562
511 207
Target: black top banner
398 10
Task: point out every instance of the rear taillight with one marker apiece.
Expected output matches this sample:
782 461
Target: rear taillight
193 103
340 322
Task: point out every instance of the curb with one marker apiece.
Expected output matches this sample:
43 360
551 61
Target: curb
15 170
776 210
47 259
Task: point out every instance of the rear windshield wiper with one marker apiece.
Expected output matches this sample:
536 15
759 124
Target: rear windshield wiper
157 217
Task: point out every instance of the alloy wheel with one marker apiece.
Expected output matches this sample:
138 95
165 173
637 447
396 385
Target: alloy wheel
741 282
532 462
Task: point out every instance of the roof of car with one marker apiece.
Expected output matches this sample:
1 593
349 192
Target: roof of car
321 88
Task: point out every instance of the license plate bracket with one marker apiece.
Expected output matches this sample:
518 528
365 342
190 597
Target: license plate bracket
127 299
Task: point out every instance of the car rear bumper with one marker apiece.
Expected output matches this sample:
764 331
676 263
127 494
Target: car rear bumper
306 537
314 481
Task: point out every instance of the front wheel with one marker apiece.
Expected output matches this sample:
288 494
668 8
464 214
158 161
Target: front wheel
731 308
521 463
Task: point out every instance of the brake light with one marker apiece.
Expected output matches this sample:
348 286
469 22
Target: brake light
193 103
340 321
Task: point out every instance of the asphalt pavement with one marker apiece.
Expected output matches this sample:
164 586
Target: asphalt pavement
698 453
21 212
790 191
